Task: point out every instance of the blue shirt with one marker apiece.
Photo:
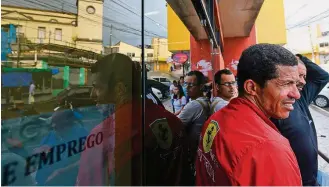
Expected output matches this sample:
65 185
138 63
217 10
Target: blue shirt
299 127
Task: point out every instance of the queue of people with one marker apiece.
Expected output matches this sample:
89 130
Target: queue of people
234 131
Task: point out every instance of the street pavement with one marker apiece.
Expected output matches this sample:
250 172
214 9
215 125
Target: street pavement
321 120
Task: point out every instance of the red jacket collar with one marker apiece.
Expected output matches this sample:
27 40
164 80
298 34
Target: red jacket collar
251 106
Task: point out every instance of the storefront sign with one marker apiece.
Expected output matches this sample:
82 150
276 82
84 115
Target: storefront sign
180 58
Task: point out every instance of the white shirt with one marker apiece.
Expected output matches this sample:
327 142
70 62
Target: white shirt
171 88
179 103
194 115
217 104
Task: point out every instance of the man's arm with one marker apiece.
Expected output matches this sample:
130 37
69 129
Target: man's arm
189 113
316 79
268 164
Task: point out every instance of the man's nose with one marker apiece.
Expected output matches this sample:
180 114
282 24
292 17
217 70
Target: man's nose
294 93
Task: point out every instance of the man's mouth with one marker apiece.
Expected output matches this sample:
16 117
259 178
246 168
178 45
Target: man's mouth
300 87
289 105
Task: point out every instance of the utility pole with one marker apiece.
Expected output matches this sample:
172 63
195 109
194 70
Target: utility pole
313 56
111 40
158 54
18 49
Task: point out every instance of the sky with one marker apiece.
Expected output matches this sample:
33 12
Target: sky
299 15
156 26
125 17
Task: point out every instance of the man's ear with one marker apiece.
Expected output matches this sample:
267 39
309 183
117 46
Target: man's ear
216 86
250 87
120 88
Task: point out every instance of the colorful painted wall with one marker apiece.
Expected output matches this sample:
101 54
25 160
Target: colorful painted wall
178 35
270 23
234 47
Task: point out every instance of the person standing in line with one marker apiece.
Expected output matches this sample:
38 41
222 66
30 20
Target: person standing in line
193 115
226 87
179 99
31 93
239 145
171 90
299 128
184 86
117 160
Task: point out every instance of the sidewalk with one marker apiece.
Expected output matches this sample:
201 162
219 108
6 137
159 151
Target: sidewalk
321 121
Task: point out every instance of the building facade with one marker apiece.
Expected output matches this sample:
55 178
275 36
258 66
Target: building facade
216 32
47 22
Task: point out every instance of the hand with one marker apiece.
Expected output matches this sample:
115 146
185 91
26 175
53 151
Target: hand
54 174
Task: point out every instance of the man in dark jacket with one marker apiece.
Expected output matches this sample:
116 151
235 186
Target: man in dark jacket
299 128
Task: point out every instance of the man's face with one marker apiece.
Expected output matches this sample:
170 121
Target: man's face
181 81
176 90
101 91
276 99
302 76
193 88
227 88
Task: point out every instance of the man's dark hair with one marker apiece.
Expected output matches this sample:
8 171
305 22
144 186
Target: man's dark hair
181 77
174 81
259 63
218 75
115 68
201 79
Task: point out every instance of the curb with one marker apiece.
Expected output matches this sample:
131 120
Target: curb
320 110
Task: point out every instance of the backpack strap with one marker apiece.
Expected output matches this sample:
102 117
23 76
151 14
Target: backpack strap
204 107
213 105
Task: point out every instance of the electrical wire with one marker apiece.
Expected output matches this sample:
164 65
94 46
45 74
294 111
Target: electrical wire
310 20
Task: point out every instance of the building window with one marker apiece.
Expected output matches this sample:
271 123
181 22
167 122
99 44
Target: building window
41 32
324 44
90 10
19 29
58 34
149 54
326 33
131 54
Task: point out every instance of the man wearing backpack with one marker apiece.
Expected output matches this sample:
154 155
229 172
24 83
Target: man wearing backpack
226 87
195 113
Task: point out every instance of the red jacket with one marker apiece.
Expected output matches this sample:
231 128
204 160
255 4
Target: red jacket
117 160
240 146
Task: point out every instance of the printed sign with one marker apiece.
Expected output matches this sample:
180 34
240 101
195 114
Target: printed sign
180 58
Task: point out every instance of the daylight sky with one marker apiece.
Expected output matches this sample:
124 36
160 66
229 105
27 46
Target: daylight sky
299 15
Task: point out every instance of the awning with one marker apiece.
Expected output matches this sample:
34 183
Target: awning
238 16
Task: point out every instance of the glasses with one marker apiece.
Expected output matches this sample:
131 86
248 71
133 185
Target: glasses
234 83
190 84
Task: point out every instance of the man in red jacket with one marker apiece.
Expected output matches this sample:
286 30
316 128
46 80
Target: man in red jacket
239 145
116 156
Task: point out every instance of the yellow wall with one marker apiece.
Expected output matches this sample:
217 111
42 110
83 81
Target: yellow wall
90 25
316 56
30 20
160 46
124 48
178 35
270 23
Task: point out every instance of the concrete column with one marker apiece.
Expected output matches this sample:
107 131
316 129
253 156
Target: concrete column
66 76
82 76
